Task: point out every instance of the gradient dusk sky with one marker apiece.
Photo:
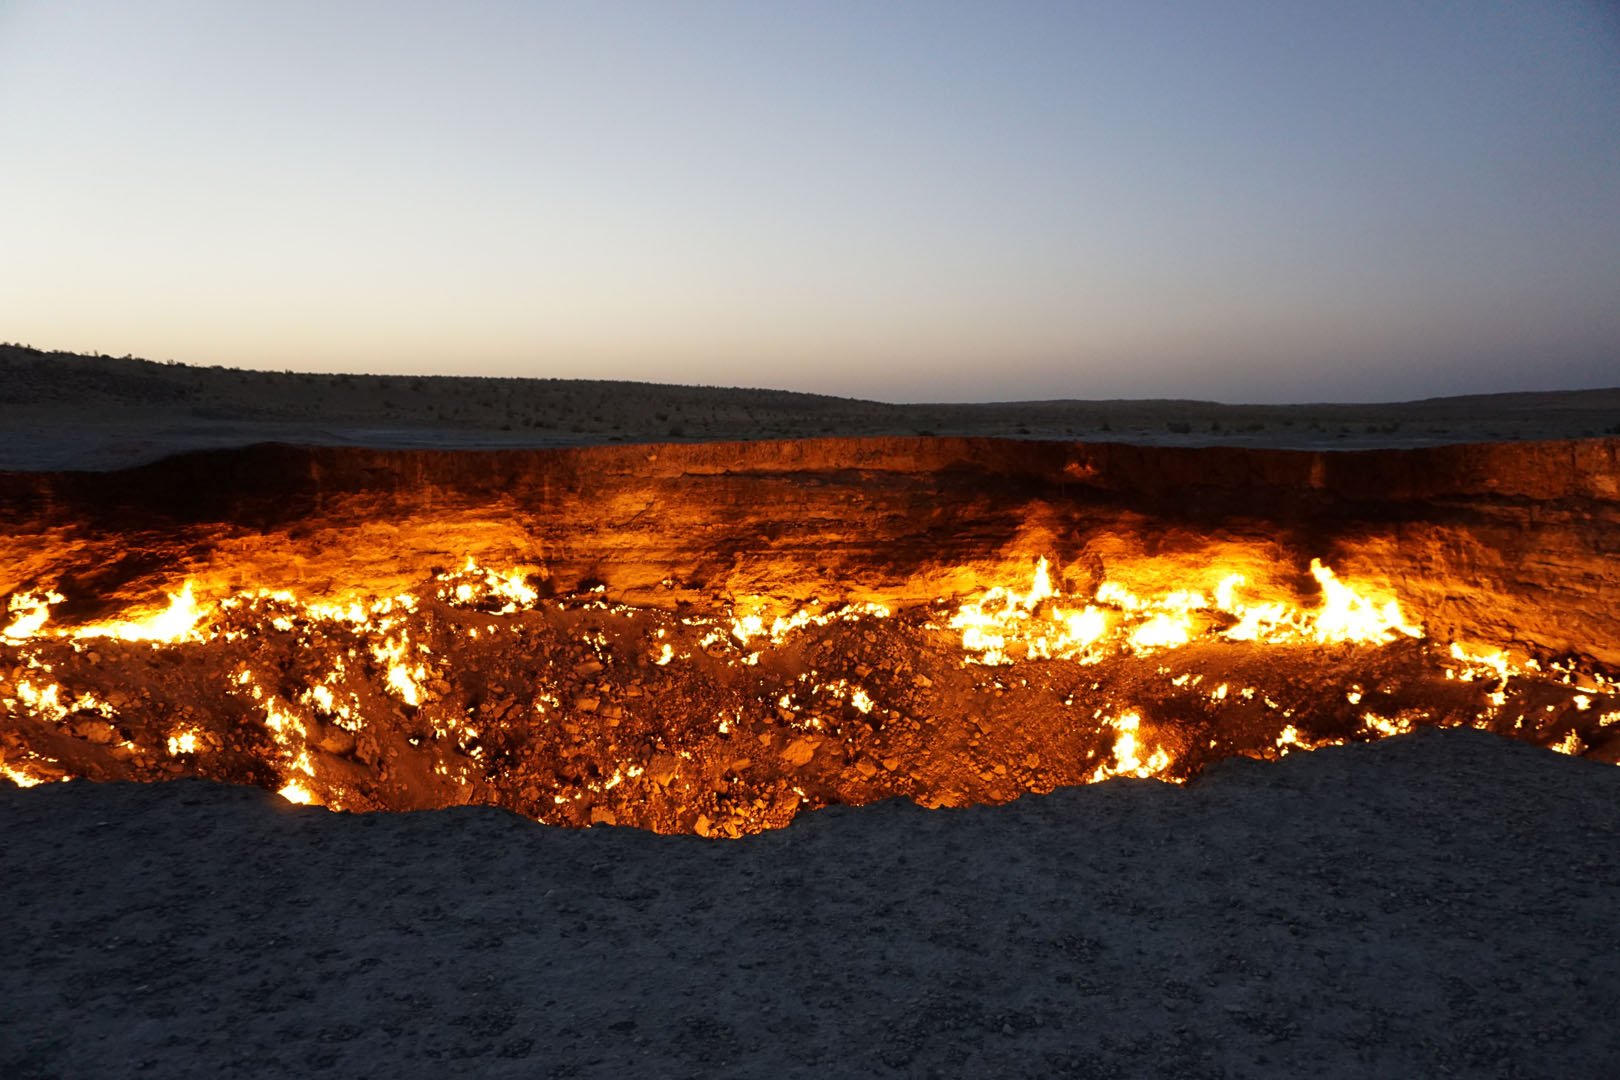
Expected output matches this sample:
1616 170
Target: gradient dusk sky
1243 201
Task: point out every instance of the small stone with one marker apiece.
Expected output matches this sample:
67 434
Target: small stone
662 769
97 731
587 704
601 815
923 681
799 752
335 740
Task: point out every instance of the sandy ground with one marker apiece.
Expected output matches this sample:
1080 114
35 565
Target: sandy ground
77 412
1437 904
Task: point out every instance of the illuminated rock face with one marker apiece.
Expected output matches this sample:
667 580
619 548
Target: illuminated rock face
711 637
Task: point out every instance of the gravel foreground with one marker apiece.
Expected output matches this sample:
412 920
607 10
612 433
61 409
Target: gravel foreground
1442 903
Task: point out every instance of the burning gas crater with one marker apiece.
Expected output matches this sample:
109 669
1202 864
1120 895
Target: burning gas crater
576 709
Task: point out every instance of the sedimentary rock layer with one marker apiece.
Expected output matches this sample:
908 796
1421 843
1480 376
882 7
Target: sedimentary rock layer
1510 544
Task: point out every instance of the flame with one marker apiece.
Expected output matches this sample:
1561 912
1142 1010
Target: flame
19 777
29 611
381 663
295 792
1128 752
1163 631
1002 613
176 623
1005 624
1570 744
746 628
1384 726
1347 616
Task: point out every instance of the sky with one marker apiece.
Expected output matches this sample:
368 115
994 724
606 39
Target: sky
1238 201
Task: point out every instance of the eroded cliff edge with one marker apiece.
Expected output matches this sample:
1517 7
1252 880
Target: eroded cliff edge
1511 544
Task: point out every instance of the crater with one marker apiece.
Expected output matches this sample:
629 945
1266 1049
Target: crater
713 638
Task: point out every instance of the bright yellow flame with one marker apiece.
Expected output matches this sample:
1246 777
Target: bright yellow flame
1570 744
474 584
1347 616
1481 662
176 623
18 777
403 678
1003 618
1385 726
294 792
30 611
1128 752
745 628
1163 631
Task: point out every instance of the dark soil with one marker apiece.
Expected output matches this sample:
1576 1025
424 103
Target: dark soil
1438 904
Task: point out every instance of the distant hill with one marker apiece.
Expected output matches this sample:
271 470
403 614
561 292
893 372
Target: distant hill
123 409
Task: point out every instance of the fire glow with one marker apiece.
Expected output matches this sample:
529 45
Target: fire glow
581 710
